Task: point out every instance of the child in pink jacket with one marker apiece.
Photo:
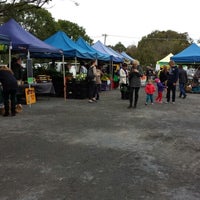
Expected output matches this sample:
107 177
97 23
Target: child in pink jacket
150 90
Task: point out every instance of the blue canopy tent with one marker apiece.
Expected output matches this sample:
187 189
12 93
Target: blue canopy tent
70 49
116 53
99 46
190 55
126 56
23 41
100 56
4 39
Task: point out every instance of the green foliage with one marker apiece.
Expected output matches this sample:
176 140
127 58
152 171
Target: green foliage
73 30
40 23
37 21
119 47
158 44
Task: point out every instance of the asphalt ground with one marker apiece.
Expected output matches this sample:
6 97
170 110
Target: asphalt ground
75 150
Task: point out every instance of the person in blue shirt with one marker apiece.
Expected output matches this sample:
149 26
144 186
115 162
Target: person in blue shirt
172 81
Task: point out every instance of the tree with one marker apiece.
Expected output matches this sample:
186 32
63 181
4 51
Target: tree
37 21
40 22
158 44
119 47
21 3
131 50
73 30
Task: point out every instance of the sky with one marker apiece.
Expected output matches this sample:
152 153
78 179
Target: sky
127 21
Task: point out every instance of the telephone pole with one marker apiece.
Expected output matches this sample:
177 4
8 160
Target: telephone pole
105 35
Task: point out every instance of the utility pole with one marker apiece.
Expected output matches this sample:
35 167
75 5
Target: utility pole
105 35
75 2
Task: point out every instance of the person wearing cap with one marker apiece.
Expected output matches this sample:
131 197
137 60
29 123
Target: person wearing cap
160 88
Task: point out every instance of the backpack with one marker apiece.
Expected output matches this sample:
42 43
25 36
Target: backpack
90 74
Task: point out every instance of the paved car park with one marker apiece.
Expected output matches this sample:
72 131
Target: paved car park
73 150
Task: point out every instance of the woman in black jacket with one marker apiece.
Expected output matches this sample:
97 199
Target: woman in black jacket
134 83
9 84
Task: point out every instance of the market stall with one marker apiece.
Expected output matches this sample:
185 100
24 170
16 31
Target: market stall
40 89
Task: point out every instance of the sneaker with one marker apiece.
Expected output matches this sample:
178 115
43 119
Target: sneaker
166 102
184 96
6 114
145 104
173 102
129 107
94 100
90 101
151 103
13 114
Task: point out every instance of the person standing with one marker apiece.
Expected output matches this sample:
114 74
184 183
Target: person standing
16 66
183 79
160 87
134 83
9 84
163 75
172 81
83 69
99 74
123 80
72 69
197 76
91 77
150 90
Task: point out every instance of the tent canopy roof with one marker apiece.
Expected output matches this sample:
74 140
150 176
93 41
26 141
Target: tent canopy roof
100 56
4 39
126 56
70 49
165 60
22 40
191 54
102 48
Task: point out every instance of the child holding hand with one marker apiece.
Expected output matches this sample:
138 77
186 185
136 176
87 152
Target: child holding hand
160 88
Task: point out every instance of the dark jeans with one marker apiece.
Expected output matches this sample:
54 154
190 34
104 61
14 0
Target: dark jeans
9 94
97 90
91 89
182 89
132 89
171 87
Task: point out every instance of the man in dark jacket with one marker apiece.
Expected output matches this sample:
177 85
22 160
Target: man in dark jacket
183 79
17 68
9 84
172 81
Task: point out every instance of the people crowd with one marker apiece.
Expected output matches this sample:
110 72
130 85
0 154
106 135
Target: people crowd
130 76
